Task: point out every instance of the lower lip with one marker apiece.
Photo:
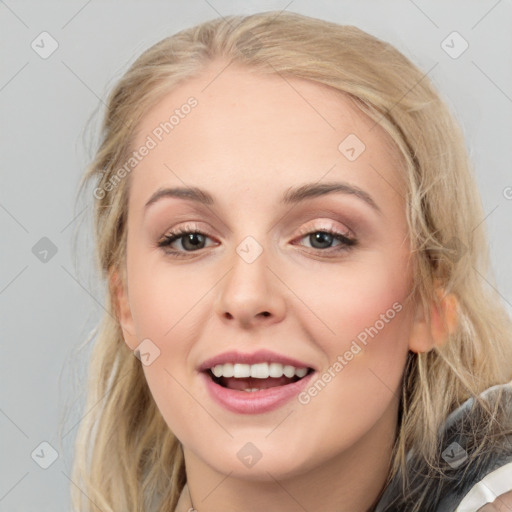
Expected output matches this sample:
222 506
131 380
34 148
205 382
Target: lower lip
257 402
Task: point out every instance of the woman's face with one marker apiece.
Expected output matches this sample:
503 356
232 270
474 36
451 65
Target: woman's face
274 164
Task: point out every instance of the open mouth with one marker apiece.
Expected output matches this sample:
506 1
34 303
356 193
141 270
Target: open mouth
254 384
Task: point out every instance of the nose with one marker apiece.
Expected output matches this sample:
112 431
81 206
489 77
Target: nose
251 294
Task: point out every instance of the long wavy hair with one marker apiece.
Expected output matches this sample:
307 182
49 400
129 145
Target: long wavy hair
126 457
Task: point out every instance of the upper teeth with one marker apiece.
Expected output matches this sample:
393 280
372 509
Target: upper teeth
258 371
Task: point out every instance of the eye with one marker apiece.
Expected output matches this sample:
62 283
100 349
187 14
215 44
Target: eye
322 240
189 237
192 240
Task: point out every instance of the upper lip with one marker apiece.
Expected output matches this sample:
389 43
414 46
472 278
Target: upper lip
260 356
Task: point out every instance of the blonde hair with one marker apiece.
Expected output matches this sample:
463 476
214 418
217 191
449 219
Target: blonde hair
126 457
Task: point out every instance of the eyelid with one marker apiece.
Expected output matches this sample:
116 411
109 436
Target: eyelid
184 228
329 226
188 226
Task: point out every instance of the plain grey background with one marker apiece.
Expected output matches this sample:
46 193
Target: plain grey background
48 302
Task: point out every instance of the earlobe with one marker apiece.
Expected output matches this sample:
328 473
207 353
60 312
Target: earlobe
427 334
122 308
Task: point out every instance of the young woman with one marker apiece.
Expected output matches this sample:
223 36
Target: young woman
299 309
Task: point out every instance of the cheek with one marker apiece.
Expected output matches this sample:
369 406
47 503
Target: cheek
163 298
367 337
165 309
364 300
365 358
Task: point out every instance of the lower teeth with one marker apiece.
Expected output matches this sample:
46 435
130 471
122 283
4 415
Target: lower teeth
251 390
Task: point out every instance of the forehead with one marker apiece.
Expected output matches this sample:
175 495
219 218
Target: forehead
249 132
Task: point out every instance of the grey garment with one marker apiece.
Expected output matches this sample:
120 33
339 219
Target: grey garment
463 467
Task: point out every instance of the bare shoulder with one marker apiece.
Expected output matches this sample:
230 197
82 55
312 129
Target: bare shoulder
502 503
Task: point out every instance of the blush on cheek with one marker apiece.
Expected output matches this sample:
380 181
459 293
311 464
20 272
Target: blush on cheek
375 333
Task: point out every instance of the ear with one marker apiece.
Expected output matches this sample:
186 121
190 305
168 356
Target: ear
121 303
427 334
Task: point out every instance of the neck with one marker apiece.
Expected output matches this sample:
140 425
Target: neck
352 480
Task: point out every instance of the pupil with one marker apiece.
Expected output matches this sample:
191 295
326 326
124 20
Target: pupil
190 239
321 237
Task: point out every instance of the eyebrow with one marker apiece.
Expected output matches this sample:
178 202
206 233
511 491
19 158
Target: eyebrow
291 196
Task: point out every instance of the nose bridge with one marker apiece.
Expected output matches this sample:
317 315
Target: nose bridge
249 293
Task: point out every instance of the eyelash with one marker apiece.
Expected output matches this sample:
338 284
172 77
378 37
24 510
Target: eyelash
346 242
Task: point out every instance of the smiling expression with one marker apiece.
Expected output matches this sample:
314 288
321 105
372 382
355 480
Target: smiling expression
299 248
